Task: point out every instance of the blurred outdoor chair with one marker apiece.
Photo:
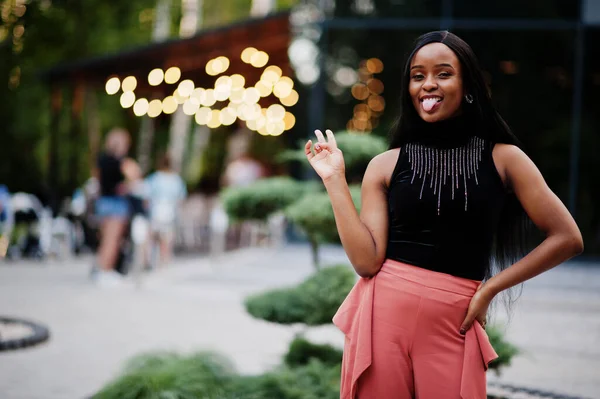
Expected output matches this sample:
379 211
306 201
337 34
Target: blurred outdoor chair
204 226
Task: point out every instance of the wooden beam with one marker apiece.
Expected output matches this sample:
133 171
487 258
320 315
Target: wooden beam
271 35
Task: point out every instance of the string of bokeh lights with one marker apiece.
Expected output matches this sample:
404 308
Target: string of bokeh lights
243 102
368 90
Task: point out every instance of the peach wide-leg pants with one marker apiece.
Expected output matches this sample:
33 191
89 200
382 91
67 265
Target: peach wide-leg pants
403 341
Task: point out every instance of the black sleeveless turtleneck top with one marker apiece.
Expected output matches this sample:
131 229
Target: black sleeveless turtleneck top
444 200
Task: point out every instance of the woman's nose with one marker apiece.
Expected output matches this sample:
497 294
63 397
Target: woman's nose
429 84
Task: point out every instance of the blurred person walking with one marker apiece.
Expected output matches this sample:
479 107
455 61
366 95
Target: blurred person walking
166 191
6 220
242 171
114 171
442 231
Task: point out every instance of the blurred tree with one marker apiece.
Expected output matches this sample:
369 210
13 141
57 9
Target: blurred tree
160 32
35 35
40 34
181 124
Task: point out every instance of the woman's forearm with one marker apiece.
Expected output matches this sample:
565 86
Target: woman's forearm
554 250
355 236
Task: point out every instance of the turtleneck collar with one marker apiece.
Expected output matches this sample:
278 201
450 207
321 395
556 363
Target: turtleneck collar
448 133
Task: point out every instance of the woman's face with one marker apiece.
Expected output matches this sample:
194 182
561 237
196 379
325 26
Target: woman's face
436 86
118 143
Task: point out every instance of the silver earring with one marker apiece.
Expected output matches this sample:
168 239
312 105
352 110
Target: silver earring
469 98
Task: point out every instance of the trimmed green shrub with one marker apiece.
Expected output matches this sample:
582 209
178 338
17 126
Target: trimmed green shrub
301 352
315 380
313 214
151 361
358 151
262 198
164 375
313 302
284 306
209 376
505 350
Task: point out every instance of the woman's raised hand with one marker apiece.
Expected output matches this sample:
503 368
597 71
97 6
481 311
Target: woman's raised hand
327 160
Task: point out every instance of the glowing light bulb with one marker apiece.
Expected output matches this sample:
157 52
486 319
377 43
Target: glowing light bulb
237 95
209 98
271 74
203 115
113 85
360 91
259 59
198 95
154 108
185 88
251 95
374 65
190 107
275 112
217 66
223 62
178 97
210 68
127 99
156 77
264 89
289 120
140 107
215 120
227 116
291 99
172 75
248 53
129 83
169 105
237 81
283 87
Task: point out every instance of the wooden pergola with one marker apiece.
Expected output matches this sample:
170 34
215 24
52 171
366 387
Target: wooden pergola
270 34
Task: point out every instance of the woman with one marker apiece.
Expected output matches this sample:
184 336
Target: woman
113 172
450 194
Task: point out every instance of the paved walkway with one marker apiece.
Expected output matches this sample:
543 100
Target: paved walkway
197 304
556 323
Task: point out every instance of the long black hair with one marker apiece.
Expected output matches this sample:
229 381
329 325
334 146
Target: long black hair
513 237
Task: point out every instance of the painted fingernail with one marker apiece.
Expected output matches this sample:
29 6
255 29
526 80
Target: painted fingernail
318 147
462 331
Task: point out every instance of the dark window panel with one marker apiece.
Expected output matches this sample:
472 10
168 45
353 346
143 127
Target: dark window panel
531 9
388 8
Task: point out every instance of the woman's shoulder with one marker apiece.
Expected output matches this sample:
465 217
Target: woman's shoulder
382 165
386 157
507 150
505 155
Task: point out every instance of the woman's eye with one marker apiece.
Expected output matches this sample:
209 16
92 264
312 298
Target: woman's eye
445 74
417 77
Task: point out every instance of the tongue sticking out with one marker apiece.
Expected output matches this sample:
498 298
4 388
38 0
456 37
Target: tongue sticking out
429 103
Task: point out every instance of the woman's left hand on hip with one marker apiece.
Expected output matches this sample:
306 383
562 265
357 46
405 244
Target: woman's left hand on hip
477 310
